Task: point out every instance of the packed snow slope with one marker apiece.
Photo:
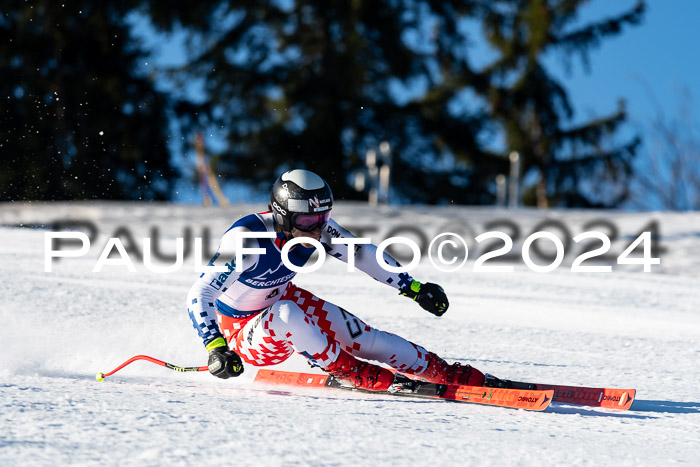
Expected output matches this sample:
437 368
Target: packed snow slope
625 329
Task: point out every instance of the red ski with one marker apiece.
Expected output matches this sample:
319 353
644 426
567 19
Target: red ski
611 398
527 399
620 399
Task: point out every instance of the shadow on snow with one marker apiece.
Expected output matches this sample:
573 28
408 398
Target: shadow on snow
665 406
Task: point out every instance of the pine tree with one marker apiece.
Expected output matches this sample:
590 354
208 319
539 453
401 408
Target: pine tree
318 83
533 110
80 118
315 84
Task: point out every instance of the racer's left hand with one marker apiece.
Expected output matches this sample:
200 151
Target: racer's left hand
431 297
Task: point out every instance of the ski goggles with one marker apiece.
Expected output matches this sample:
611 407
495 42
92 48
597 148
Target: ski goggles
311 222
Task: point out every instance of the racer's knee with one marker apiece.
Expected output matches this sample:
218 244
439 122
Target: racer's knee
289 315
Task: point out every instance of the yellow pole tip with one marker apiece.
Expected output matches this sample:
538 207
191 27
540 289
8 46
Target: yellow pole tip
100 377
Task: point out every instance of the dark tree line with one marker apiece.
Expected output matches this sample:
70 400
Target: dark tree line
309 83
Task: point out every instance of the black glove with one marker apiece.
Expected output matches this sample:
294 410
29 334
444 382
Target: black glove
223 362
429 296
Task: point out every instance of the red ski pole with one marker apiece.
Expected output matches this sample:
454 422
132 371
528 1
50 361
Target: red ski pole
102 376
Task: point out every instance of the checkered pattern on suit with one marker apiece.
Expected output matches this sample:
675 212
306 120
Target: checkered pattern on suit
317 329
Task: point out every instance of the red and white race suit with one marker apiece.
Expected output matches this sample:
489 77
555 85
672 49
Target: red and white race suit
265 318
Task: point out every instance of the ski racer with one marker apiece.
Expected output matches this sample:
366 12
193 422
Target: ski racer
253 313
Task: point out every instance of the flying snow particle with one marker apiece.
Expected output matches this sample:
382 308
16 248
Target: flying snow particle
102 133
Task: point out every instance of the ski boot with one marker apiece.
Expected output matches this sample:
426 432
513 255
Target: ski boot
360 374
440 372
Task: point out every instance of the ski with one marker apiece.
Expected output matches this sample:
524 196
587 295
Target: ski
527 399
610 398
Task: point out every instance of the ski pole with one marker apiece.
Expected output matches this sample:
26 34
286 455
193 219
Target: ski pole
102 376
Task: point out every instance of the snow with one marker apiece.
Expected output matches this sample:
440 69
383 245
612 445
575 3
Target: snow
623 329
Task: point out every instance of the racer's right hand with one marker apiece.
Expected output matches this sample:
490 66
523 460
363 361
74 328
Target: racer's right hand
223 363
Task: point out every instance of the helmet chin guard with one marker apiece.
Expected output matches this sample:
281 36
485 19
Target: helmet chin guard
298 193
